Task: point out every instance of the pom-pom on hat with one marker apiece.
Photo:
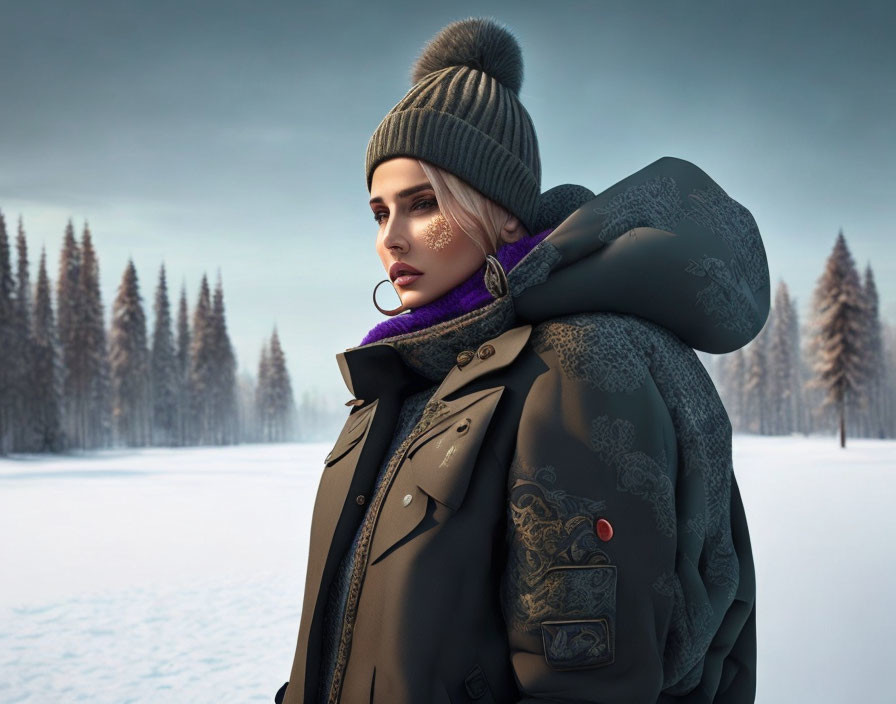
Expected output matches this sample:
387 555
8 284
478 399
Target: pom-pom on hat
463 114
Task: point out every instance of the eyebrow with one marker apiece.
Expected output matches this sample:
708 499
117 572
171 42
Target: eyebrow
406 192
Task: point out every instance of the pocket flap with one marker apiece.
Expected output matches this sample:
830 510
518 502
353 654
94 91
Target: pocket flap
580 630
442 464
574 645
351 433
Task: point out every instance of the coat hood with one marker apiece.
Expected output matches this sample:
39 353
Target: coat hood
666 244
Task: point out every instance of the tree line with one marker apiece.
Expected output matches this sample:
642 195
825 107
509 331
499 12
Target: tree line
834 373
68 382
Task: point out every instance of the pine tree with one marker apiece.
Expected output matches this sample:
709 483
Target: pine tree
873 421
782 390
46 383
280 393
800 370
756 383
838 329
732 380
246 408
24 355
224 390
164 380
203 368
8 345
184 416
888 334
817 419
91 349
263 405
67 304
129 359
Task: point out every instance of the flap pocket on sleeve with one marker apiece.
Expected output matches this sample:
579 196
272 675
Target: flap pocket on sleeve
574 645
580 630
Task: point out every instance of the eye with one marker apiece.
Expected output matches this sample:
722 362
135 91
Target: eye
426 202
376 217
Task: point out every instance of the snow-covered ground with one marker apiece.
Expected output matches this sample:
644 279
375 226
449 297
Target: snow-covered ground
176 575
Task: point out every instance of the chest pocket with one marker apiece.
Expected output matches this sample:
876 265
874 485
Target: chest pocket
438 465
351 433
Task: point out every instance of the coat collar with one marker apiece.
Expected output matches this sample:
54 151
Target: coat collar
428 356
489 356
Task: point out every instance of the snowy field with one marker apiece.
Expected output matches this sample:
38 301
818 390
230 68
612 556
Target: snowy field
176 575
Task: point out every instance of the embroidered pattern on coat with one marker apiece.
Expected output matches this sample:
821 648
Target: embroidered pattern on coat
547 527
724 216
569 645
558 203
655 202
726 297
636 472
600 355
534 268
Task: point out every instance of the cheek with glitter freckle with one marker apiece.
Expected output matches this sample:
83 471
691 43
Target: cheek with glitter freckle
437 234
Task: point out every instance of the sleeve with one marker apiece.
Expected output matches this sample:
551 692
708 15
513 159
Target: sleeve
591 529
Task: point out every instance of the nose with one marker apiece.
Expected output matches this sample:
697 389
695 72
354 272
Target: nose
395 234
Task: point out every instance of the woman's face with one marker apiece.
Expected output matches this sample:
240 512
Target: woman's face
413 232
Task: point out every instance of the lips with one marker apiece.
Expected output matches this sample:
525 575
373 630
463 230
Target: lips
399 268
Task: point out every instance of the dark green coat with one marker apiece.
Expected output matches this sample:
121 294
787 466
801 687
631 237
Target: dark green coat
563 523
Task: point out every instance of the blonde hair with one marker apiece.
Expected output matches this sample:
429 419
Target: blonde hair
476 214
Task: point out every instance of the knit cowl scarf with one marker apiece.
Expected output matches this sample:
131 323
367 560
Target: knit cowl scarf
468 295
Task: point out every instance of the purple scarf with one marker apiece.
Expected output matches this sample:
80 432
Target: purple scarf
466 296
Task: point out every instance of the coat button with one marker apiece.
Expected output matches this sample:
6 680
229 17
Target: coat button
486 351
604 529
463 358
360 499
407 499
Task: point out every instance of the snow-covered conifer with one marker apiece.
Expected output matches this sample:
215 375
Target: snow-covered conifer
129 362
184 416
46 384
224 390
837 339
164 380
67 304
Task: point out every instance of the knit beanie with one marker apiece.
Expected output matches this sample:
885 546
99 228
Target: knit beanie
464 115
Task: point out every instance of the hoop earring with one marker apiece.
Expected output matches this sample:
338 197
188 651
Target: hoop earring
495 277
394 311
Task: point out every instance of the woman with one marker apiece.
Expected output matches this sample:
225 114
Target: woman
532 498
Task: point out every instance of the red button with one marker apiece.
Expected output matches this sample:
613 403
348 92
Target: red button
604 529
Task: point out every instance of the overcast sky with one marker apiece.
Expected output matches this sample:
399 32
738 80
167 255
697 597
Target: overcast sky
231 136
